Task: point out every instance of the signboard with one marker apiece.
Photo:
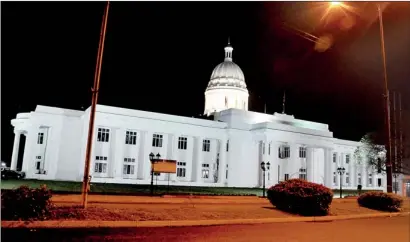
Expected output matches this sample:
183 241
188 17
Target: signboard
164 166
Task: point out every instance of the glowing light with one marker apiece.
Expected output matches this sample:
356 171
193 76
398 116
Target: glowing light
333 4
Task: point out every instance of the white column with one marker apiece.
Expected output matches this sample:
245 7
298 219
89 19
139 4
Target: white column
309 164
222 161
295 164
14 157
119 154
198 160
328 167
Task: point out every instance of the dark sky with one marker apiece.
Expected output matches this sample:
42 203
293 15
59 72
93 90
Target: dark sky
159 57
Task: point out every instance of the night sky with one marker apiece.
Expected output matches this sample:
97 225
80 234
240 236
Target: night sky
159 57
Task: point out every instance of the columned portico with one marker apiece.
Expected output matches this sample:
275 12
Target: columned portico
16 146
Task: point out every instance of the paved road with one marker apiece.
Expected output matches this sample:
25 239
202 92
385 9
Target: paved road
381 229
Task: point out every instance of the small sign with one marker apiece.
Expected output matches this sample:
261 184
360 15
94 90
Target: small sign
164 166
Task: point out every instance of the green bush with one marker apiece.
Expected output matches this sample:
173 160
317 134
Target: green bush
24 203
301 197
381 201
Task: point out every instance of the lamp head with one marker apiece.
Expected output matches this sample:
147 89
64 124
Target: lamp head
151 156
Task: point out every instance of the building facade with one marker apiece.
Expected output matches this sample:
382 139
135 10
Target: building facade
228 151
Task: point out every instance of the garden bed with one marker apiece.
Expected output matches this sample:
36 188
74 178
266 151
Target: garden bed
185 209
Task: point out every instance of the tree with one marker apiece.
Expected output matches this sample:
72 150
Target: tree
371 152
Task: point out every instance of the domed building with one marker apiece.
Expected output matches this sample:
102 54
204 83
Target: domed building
227 87
237 148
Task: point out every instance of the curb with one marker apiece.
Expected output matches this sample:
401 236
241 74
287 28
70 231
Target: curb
184 223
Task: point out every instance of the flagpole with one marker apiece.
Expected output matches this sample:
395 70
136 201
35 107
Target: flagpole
95 89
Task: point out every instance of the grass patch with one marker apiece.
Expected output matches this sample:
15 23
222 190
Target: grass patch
111 188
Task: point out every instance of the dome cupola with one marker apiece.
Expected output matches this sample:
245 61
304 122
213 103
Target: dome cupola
226 88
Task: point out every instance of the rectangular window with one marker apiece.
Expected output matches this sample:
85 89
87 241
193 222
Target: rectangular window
334 157
40 138
38 165
302 152
205 173
334 177
286 177
370 179
100 167
379 182
379 165
263 148
182 143
205 165
347 159
347 178
131 138
157 140
302 174
284 152
227 146
269 149
100 164
359 179
181 170
129 166
206 145
103 135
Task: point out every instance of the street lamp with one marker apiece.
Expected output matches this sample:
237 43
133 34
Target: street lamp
389 171
153 160
264 168
341 171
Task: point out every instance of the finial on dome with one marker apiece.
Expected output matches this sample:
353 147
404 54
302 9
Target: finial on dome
228 51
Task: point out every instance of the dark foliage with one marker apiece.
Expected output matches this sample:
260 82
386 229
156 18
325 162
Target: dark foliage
24 203
381 201
301 197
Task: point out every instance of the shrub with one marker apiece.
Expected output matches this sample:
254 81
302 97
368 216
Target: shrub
301 197
24 203
381 201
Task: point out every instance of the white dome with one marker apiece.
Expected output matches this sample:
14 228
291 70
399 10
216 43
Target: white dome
227 73
227 87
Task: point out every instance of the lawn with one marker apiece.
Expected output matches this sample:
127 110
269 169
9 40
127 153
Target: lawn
133 189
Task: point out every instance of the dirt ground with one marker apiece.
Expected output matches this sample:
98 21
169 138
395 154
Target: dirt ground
122 208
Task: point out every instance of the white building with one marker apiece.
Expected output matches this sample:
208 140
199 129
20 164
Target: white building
227 151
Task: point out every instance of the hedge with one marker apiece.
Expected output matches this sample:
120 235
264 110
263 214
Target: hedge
25 203
381 201
301 197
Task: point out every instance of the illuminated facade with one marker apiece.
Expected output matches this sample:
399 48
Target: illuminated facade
226 151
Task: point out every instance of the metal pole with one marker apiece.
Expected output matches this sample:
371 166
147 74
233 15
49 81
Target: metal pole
93 107
263 182
152 180
340 174
401 150
387 103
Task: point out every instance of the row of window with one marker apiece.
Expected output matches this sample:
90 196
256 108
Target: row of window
157 140
347 158
359 179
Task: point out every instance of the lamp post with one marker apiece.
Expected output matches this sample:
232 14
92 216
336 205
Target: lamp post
264 168
153 160
341 171
389 172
